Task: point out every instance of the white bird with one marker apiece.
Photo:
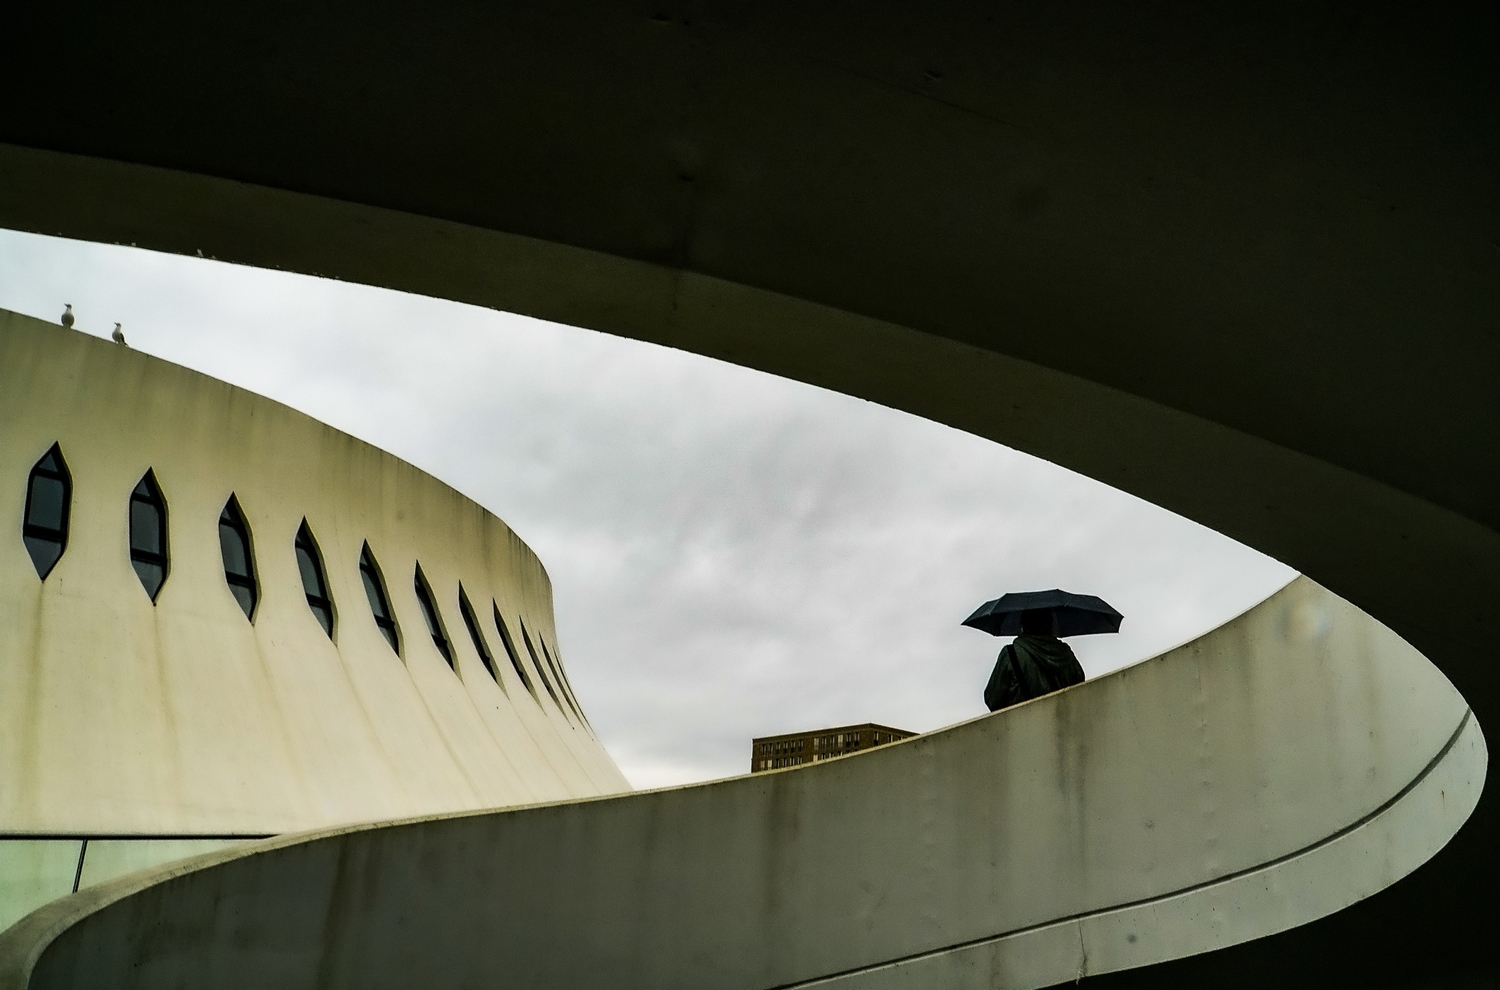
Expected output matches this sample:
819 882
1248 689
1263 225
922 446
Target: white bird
67 317
118 337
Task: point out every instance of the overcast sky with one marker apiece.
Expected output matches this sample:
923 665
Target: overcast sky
732 554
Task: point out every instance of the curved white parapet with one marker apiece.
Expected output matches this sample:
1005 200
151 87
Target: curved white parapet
1334 873
133 731
1287 764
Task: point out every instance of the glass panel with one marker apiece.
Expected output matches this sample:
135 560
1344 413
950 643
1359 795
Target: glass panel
372 592
312 578
310 569
152 575
49 500
145 526
550 665
44 529
234 548
562 682
537 664
427 611
467 611
148 535
369 573
325 617
245 596
510 648
44 553
430 613
236 553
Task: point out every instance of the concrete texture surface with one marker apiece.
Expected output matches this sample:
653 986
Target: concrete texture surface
1281 767
127 719
1236 259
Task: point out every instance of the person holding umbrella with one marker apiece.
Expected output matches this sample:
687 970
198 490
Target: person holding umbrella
1038 662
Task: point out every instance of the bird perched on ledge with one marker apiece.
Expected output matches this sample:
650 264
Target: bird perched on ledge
67 317
118 337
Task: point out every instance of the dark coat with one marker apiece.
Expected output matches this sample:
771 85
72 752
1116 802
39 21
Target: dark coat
1029 668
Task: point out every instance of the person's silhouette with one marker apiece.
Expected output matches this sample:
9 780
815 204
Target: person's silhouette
1036 663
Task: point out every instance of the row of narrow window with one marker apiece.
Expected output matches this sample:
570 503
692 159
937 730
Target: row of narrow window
839 740
44 530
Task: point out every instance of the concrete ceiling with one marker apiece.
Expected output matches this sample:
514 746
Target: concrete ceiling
1242 260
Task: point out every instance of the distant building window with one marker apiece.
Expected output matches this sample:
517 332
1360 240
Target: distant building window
310 565
380 607
148 534
434 620
526 638
239 561
480 646
510 649
49 499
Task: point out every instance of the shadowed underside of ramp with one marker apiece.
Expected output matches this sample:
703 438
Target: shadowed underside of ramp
1240 260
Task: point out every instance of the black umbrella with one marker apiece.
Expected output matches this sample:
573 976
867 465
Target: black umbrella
1075 615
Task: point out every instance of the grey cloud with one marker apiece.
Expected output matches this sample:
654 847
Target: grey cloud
733 554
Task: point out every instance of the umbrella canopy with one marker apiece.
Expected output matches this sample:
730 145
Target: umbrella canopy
1074 615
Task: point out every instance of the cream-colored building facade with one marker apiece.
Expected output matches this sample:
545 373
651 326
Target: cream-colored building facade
135 731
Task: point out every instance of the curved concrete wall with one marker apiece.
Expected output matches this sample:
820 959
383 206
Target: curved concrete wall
1279 768
1236 259
183 719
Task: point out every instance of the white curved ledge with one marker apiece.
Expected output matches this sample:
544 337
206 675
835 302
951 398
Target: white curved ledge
1287 764
1256 902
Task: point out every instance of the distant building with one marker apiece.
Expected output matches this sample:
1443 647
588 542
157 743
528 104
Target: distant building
798 748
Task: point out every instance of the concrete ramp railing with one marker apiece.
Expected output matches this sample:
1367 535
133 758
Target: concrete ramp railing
1279 768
